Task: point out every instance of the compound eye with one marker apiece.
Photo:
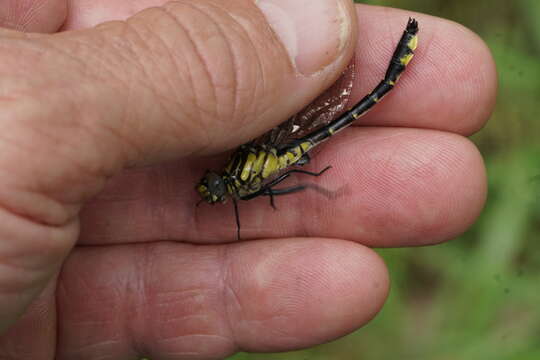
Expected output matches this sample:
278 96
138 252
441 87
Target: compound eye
216 182
216 185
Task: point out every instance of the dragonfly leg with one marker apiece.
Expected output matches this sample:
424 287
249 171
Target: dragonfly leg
268 189
237 217
304 160
272 203
271 184
276 192
299 171
285 191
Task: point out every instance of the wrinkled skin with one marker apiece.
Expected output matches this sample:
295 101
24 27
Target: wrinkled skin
106 130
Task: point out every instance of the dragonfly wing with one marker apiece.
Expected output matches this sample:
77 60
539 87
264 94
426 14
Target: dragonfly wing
325 108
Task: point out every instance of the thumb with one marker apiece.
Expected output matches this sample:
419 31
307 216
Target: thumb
190 77
177 79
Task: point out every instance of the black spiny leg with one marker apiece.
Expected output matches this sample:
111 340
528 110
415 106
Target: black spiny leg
237 216
276 192
268 191
304 160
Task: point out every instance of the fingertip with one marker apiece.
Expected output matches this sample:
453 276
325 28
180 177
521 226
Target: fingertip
423 187
287 288
480 79
467 188
457 72
42 16
450 84
314 33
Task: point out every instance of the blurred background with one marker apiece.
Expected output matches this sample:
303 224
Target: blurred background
477 297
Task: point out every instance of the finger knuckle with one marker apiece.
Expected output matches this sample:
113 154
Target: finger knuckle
212 64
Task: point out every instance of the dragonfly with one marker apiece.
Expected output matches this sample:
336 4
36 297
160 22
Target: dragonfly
257 167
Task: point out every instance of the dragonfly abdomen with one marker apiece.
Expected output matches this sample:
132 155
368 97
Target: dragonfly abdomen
403 54
255 169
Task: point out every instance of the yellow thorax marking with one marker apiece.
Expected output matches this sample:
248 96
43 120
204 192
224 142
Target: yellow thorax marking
270 165
246 170
259 163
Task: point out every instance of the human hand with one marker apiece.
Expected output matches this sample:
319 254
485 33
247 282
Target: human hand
79 107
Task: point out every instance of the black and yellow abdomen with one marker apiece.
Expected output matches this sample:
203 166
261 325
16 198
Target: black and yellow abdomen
255 170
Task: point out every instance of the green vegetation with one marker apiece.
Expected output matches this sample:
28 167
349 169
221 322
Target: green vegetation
477 297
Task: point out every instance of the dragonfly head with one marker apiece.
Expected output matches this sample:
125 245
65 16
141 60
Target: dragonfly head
212 188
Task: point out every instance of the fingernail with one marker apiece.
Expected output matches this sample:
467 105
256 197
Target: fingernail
314 32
